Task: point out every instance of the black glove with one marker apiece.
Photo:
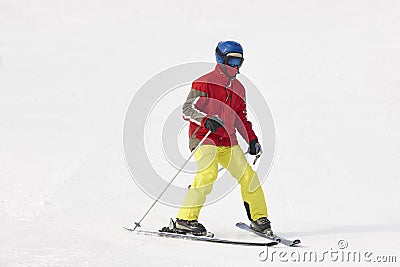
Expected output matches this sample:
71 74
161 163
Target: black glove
213 123
254 147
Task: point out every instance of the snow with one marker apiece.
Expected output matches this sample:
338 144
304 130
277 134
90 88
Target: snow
68 70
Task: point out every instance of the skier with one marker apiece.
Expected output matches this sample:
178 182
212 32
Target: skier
217 103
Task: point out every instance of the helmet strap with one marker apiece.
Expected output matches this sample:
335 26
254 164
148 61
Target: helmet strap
218 51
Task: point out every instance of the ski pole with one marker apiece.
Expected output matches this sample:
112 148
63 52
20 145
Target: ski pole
257 157
137 224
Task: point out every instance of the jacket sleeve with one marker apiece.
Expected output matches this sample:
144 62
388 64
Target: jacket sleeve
243 125
192 108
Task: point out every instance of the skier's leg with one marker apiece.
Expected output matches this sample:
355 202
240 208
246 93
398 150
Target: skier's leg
233 159
206 159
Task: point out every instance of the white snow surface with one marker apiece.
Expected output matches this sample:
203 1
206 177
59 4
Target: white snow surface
68 70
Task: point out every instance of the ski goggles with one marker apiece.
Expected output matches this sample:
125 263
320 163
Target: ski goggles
231 59
234 60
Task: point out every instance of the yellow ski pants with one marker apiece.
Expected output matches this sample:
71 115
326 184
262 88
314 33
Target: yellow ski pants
233 159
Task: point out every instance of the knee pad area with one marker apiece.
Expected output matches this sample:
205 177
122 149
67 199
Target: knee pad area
204 189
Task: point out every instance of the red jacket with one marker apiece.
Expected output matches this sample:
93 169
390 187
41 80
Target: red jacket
217 94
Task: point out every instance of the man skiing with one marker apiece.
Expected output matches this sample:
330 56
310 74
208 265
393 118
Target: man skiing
217 103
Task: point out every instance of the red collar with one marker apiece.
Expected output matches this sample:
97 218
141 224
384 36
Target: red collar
223 70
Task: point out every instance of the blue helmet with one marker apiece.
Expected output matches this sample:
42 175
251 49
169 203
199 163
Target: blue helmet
229 53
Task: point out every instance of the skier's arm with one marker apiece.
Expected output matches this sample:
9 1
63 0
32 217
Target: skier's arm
243 125
191 109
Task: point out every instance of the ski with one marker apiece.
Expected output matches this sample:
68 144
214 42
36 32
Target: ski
275 238
200 238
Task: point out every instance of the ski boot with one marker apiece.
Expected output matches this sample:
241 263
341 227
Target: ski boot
184 227
191 227
262 225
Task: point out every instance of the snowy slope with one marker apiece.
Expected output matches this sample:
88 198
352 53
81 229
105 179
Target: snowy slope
68 70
